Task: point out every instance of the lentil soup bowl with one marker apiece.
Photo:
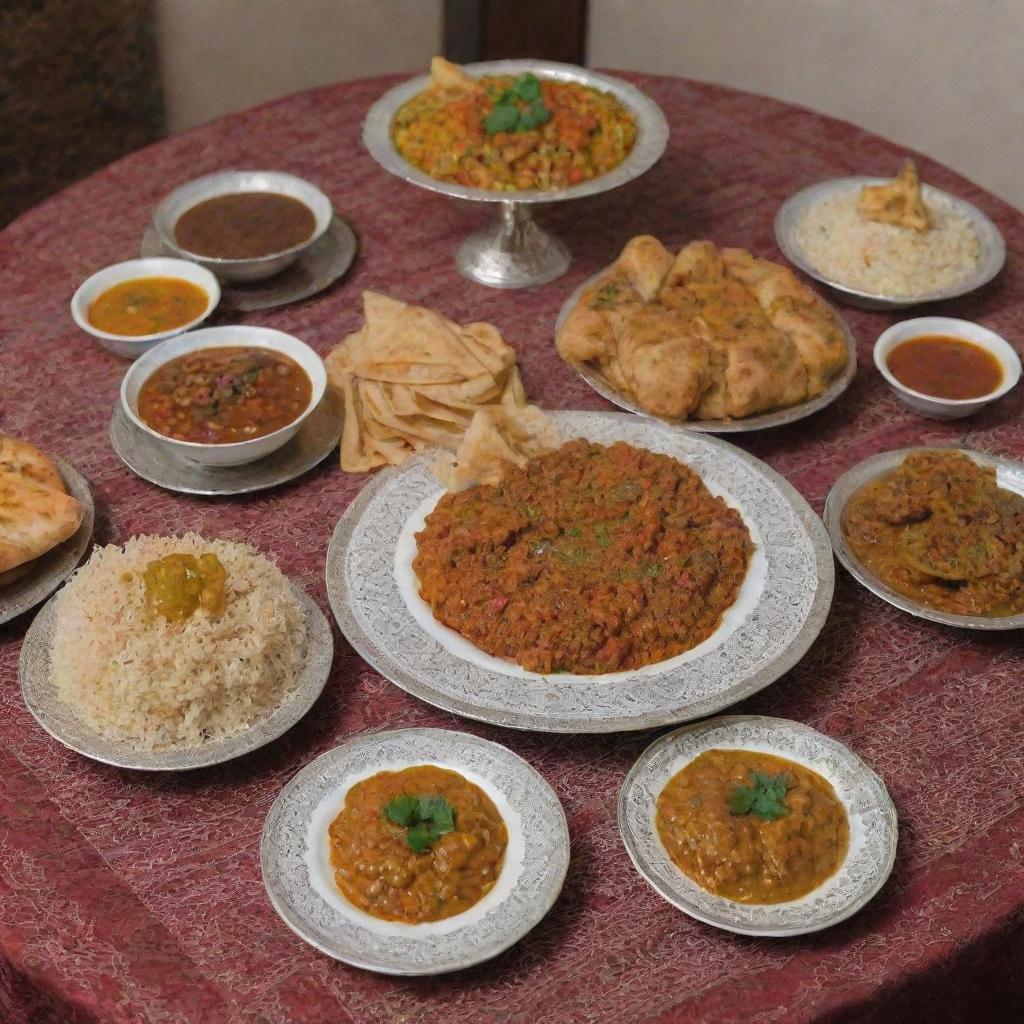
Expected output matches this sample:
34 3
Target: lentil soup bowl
231 453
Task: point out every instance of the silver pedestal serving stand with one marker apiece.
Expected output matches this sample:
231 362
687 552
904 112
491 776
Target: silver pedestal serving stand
515 252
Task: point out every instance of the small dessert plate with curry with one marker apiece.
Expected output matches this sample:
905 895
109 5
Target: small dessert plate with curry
758 825
417 851
936 532
946 368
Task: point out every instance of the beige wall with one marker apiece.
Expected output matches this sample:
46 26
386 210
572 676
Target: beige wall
223 55
942 76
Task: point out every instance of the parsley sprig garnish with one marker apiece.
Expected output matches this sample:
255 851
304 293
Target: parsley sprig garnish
519 108
425 819
765 797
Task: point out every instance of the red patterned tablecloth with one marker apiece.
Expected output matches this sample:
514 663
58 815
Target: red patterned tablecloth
127 897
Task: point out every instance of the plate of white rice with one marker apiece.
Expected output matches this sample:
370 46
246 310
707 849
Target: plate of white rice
112 680
886 266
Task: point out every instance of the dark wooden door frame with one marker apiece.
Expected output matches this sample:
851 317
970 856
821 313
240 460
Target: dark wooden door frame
492 29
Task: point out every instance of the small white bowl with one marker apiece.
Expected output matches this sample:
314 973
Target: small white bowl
134 345
236 453
225 183
946 408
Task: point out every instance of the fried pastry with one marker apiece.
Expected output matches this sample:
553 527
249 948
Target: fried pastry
897 202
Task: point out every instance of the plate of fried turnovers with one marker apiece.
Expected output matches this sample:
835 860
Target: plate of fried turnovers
172 653
626 576
889 243
757 825
417 851
937 532
46 517
706 339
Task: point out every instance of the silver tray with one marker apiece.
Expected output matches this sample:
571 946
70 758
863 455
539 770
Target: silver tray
323 263
515 252
771 630
61 722
777 418
993 248
1009 475
873 825
300 886
53 568
147 458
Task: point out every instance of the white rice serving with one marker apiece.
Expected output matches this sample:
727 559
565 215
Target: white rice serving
137 677
886 259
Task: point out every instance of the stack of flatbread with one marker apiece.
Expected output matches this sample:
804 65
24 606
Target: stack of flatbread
36 512
412 380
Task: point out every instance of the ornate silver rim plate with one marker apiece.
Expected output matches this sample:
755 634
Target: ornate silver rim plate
872 817
993 248
515 252
146 458
781 608
1009 475
777 418
323 263
295 858
53 568
61 722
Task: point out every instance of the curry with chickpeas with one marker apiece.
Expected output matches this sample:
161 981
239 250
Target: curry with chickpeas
417 845
752 827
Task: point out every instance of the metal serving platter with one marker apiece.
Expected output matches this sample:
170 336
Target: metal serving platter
61 722
777 418
53 568
299 880
872 817
147 458
780 610
514 252
993 248
1009 475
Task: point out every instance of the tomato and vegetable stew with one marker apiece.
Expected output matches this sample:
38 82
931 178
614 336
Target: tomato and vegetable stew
224 395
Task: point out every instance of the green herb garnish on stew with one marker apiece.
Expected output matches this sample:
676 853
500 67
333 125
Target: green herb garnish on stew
765 797
519 108
425 819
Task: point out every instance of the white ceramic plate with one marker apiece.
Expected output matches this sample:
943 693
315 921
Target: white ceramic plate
61 722
53 568
295 855
1009 475
873 824
781 608
762 421
792 211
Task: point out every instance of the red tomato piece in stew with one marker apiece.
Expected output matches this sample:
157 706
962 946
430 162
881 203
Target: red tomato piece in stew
224 395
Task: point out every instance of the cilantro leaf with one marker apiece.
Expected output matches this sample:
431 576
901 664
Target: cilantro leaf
765 797
527 87
501 119
401 810
425 819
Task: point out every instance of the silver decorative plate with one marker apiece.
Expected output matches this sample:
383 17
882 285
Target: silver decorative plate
53 568
780 610
147 458
792 211
61 722
776 418
295 857
323 263
515 252
872 817
1009 475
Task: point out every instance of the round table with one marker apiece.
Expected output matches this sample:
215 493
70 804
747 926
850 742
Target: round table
130 897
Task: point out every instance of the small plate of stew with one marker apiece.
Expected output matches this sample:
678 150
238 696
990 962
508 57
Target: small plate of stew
758 825
946 368
417 851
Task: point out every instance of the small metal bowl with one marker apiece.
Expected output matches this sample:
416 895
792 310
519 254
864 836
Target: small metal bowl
966 330
183 198
131 346
236 453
